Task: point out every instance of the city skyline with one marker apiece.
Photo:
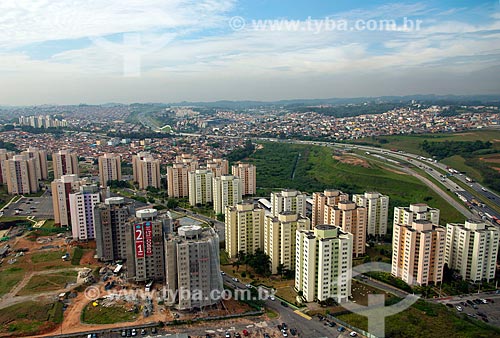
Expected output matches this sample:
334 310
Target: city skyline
214 50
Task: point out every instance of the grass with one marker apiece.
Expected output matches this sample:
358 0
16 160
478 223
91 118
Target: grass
317 170
106 315
48 282
427 320
9 278
224 257
458 162
28 318
43 257
77 256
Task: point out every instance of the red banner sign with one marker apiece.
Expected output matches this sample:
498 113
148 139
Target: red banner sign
148 235
139 241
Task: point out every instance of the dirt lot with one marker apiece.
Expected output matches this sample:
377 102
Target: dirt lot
352 160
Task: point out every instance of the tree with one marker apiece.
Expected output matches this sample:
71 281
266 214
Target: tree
172 203
281 269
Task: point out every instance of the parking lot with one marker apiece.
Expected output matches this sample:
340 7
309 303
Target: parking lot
39 207
474 308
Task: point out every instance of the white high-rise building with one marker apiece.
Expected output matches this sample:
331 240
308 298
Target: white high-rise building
472 249
377 206
323 263
279 238
226 191
248 175
288 201
61 189
110 168
200 187
418 252
244 229
177 180
192 267
65 162
82 206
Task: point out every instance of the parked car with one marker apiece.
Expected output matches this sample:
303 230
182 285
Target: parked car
459 308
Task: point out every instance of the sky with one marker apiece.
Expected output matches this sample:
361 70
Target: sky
100 51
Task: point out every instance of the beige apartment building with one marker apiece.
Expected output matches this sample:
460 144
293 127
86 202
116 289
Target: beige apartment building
61 189
350 218
110 168
146 171
377 206
40 157
226 191
418 252
321 202
244 229
4 155
288 201
65 162
323 263
248 176
21 175
218 166
279 238
200 187
472 249
177 180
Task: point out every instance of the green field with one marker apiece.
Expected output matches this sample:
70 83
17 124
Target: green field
106 315
317 170
42 257
28 318
48 282
428 320
9 278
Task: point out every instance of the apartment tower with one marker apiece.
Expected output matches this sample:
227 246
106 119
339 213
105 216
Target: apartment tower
244 229
110 168
248 176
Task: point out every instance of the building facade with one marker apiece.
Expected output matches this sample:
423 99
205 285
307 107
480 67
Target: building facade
419 211
248 176
244 229
82 204
21 175
200 187
323 264
178 180
418 252
4 155
146 171
40 157
110 168
145 247
377 206
350 218
61 189
288 201
192 267
226 192
322 200
65 162
472 249
218 166
111 220
279 238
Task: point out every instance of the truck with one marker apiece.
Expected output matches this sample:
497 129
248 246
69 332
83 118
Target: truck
468 179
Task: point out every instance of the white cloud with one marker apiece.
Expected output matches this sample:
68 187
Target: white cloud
27 21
